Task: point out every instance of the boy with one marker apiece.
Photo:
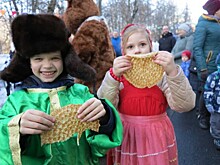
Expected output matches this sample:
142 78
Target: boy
43 61
212 102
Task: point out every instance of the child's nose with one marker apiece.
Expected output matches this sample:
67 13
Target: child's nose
137 50
47 63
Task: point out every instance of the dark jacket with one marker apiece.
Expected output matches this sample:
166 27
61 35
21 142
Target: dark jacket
167 42
193 77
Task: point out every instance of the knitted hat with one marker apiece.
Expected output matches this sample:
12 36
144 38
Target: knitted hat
184 26
211 6
42 33
186 53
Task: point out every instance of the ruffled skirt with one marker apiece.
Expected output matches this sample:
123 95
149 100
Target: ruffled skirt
147 140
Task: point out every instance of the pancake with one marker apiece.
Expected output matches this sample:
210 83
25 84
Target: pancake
66 125
144 72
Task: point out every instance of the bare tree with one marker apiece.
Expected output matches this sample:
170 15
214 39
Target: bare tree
51 6
118 13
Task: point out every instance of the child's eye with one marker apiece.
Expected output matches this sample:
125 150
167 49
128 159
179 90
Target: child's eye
56 58
143 44
37 59
129 47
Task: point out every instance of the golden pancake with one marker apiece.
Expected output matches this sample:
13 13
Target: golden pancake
66 125
144 72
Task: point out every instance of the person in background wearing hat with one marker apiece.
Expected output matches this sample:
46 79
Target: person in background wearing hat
212 102
116 42
184 41
186 62
167 40
206 47
45 63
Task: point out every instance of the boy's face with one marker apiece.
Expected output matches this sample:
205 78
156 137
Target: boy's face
184 58
137 44
47 66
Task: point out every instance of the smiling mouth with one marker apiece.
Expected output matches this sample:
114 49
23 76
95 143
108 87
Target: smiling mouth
48 73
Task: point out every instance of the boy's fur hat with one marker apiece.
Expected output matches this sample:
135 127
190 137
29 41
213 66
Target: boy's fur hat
42 33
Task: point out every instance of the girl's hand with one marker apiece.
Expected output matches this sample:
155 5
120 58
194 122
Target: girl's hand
166 60
91 110
35 122
121 64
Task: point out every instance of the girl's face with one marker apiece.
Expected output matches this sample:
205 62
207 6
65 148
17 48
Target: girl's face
47 66
137 44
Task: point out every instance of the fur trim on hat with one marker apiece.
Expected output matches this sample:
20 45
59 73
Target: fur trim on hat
35 34
17 70
212 6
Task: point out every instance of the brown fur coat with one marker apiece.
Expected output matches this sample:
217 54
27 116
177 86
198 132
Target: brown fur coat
91 38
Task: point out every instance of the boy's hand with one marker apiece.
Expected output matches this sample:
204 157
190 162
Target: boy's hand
91 110
35 122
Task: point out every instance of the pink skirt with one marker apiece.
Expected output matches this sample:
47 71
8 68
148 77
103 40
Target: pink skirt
147 140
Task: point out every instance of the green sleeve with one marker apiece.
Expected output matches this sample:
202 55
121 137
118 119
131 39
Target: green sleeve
9 135
101 143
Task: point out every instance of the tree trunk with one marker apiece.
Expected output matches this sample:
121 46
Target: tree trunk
51 6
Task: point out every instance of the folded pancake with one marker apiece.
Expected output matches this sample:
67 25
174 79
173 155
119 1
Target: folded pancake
66 125
144 72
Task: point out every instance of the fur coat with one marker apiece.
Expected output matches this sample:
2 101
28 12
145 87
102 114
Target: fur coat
91 38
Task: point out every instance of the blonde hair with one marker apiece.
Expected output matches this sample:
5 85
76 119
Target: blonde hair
131 29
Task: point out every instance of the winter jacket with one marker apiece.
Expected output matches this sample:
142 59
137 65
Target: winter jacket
193 77
177 90
116 43
185 66
182 43
206 45
212 92
167 42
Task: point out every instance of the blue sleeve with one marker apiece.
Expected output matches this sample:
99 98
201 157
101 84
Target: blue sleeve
187 70
209 93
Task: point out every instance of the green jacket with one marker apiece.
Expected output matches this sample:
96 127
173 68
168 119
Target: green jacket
92 146
206 44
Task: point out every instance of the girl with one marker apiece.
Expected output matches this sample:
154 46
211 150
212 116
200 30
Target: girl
148 136
44 59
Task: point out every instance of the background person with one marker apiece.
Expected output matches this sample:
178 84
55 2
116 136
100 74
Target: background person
212 102
206 47
186 62
116 42
167 41
184 41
